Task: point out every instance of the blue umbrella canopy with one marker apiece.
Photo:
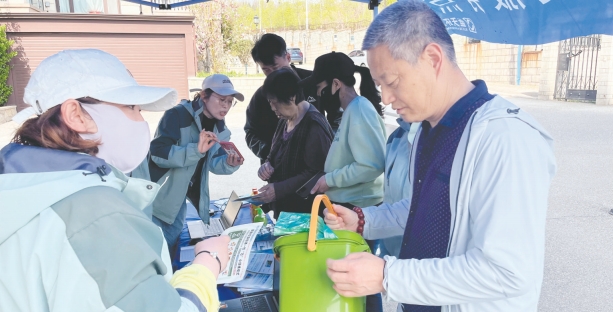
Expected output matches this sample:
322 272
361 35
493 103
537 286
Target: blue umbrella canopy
166 4
526 22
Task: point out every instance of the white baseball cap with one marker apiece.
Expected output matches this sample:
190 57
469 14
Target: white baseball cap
73 74
221 85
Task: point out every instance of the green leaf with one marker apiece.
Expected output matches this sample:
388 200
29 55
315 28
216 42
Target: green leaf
6 54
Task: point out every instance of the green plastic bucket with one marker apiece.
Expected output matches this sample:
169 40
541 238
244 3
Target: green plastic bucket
304 284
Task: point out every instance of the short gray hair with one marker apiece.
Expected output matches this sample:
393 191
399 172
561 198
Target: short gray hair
406 28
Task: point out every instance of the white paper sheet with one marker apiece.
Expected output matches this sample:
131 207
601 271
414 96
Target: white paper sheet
254 281
261 263
241 241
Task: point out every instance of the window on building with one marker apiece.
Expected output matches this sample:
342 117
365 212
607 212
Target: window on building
88 6
37 4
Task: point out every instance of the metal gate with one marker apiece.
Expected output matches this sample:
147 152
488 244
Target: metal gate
576 77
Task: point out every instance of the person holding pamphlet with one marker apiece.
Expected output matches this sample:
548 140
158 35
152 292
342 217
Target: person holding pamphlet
191 141
73 235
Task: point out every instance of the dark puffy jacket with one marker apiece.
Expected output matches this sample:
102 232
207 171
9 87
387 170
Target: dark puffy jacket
262 122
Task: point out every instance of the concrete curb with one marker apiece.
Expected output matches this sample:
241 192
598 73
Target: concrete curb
6 113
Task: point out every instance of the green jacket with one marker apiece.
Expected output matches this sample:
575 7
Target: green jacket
174 156
73 238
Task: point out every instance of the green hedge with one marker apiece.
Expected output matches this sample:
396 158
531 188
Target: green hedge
5 58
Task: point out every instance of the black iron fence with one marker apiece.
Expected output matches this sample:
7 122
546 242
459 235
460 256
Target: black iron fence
576 77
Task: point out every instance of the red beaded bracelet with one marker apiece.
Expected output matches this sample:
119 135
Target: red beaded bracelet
361 221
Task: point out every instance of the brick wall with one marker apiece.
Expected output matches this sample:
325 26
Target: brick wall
497 63
604 96
549 63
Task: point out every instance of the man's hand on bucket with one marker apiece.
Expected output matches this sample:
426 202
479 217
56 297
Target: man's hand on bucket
357 275
346 219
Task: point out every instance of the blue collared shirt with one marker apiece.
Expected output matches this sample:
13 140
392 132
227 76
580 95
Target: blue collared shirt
427 230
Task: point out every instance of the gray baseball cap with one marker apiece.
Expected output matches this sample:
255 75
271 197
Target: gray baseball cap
221 85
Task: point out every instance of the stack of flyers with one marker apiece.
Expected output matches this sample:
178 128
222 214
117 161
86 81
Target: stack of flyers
254 282
263 247
239 249
261 263
259 275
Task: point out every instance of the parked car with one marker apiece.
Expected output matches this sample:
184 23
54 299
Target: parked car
358 57
296 55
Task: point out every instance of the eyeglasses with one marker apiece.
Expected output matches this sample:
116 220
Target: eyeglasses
228 102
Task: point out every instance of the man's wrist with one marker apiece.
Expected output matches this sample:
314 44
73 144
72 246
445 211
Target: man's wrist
361 221
383 276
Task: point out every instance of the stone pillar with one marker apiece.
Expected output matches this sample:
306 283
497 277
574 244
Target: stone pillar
549 64
604 95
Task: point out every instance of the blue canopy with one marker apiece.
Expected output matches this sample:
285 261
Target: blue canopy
525 22
167 5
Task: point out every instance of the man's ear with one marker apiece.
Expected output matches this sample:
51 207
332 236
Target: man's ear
288 57
76 118
433 56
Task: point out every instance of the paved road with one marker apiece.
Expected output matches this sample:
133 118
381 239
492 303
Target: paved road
579 253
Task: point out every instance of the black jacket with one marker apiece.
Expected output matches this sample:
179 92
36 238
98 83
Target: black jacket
297 159
262 122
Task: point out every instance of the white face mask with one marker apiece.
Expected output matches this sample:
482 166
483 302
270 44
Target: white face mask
124 142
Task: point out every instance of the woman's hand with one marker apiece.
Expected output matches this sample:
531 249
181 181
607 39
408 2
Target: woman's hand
267 193
234 160
346 219
213 244
206 141
266 171
321 187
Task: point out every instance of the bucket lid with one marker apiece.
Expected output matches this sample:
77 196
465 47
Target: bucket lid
301 239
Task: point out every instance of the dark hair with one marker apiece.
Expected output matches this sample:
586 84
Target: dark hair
368 89
282 85
207 94
269 46
50 131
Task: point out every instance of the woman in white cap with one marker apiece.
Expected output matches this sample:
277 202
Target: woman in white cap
185 149
72 233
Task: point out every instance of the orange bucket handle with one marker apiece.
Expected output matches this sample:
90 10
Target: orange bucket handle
311 246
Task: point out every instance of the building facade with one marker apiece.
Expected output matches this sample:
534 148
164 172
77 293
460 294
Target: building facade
577 69
157 48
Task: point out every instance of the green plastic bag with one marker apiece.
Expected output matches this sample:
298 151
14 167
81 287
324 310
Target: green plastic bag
292 223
